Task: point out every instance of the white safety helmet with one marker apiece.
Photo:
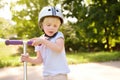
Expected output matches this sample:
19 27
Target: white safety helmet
50 11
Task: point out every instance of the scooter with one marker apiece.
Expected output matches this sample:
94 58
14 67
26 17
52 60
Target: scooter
24 43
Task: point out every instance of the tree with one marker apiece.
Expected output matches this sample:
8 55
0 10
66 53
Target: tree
5 25
26 17
2 3
6 28
98 22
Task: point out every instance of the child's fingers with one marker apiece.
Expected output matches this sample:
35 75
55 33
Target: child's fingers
33 44
36 42
24 57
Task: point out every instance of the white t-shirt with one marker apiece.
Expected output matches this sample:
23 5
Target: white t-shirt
54 63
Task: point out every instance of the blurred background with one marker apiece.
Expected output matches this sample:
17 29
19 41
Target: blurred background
91 28
92 36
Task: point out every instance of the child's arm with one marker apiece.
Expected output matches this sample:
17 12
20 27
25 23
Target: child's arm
57 46
37 60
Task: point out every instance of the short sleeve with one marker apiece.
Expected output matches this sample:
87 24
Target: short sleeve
60 35
37 48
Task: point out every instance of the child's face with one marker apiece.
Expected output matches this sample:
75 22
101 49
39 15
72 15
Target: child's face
51 25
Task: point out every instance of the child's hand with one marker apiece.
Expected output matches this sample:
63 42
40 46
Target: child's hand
24 57
38 41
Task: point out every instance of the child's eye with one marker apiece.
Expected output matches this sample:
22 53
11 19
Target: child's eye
48 24
55 26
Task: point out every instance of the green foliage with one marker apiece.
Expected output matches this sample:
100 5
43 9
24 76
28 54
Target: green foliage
9 61
82 57
98 22
54 2
5 25
27 18
5 28
7 57
2 3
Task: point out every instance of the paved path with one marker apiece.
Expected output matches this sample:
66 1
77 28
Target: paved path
88 71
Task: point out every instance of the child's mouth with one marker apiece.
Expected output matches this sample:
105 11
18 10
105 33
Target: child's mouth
51 32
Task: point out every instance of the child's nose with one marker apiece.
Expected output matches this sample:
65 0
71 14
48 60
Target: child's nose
51 27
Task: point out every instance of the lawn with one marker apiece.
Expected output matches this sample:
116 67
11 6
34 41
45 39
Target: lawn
85 57
8 56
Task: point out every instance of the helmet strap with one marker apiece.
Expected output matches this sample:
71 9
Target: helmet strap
49 37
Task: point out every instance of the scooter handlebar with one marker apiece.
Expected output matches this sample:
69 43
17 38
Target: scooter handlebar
17 42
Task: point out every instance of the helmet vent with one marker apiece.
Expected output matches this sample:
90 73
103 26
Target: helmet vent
49 9
57 10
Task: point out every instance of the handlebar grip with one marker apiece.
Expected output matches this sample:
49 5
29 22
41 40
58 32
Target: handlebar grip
18 42
29 43
13 42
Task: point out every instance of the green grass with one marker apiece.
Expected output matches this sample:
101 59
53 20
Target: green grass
75 58
9 61
8 56
5 50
